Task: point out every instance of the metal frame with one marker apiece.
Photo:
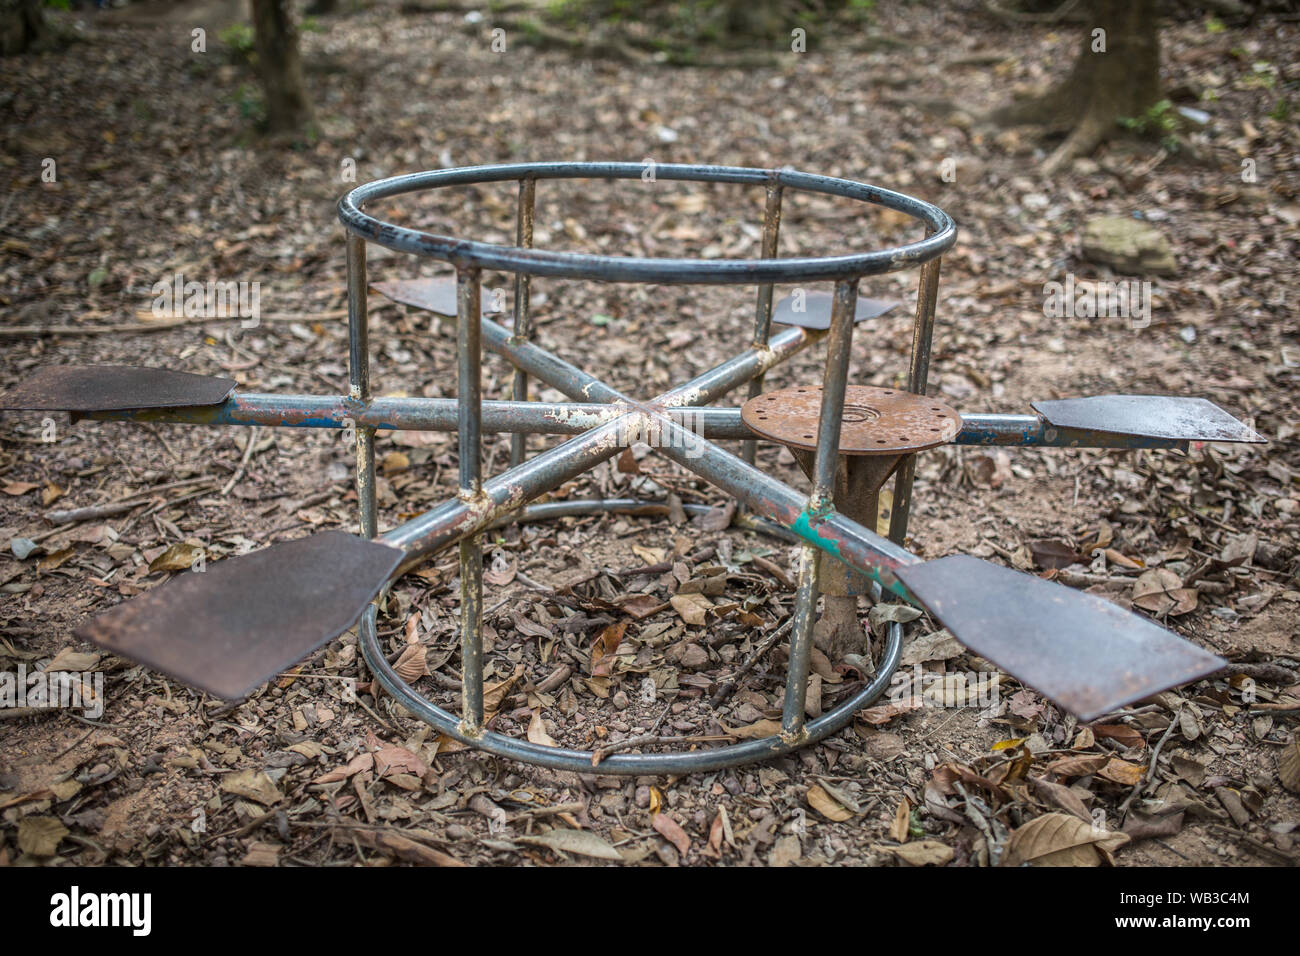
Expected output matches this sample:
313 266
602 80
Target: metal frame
1131 655
774 506
601 418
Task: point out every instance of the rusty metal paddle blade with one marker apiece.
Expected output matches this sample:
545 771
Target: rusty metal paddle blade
103 388
812 310
1151 416
436 294
243 620
1081 651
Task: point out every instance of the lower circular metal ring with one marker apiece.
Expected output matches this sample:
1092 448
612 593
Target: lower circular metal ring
563 758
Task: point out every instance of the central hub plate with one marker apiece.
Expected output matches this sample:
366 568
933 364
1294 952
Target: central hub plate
876 421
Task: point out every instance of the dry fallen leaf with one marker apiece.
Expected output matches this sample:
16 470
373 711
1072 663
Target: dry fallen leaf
413 664
1077 766
1160 591
179 557
494 694
261 854
787 851
672 831
401 847
252 785
40 836
603 648
1122 772
55 560
1060 839
759 728
70 660
827 806
693 608
537 731
1288 765
1052 553
902 824
393 759
641 606
581 842
361 763
719 830
884 713
650 555
938 646
1061 795
1128 736
920 853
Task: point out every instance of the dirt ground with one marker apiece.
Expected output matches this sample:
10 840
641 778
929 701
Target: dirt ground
158 173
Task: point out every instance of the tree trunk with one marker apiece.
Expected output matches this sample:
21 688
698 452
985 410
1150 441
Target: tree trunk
1116 75
22 26
288 111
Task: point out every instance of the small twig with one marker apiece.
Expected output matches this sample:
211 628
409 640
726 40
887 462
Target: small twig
726 690
119 506
640 740
243 464
647 739
663 566
1115 714
1151 770
1259 846
1187 510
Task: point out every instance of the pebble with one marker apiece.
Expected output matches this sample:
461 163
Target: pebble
643 796
620 700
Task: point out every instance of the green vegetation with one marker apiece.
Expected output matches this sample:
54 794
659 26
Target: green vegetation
240 41
1160 121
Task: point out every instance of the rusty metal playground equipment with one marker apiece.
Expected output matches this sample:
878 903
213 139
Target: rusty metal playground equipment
247 618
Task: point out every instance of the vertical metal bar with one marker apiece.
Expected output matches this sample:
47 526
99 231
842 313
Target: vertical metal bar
927 296
834 383
523 326
359 381
469 388
805 616
471 635
763 308
469 395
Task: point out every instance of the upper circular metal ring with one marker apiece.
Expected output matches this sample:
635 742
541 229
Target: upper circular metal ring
941 232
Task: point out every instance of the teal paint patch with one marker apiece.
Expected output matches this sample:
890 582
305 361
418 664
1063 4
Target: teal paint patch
804 527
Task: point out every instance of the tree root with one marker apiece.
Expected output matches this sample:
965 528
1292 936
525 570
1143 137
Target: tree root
1093 129
839 631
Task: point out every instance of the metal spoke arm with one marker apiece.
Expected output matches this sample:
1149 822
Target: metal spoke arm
569 418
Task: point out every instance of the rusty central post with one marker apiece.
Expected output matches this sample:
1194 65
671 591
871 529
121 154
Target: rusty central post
820 502
878 428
